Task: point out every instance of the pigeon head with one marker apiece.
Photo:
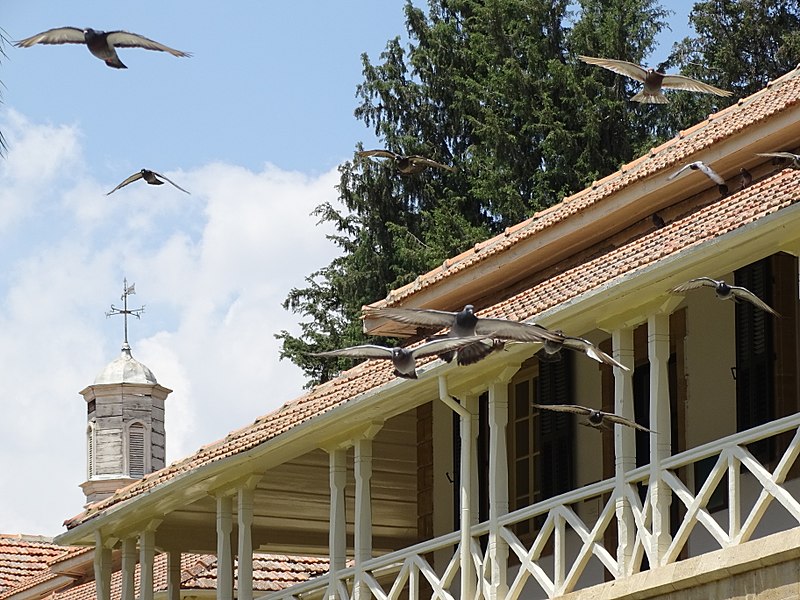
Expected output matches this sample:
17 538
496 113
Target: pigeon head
398 352
467 318
723 289
595 418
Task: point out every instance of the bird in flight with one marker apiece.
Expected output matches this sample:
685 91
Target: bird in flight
101 44
403 359
598 419
654 80
699 165
553 347
150 177
725 291
407 165
791 156
466 323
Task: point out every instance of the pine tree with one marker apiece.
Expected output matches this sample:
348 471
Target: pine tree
739 45
493 88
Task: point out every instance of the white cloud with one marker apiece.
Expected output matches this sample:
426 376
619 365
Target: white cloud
212 269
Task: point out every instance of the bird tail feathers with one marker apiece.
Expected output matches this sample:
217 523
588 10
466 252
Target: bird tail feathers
650 98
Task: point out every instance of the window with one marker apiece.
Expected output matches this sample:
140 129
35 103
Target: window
541 443
766 349
136 451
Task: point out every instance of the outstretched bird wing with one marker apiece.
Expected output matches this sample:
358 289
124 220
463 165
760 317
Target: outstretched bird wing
415 316
364 351
695 283
444 344
378 153
421 160
623 421
679 171
514 330
786 155
745 294
710 173
167 179
125 39
592 351
681 82
570 408
59 35
131 179
623 67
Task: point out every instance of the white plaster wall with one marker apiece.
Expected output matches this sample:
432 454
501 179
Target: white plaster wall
710 354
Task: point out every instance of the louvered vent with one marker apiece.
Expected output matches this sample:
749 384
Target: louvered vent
136 451
90 451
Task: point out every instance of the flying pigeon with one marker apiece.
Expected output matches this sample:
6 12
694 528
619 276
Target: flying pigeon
463 324
407 165
794 158
746 178
101 44
150 177
658 220
554 346
404 359
598 419
726 292
653 80
469 355
699 165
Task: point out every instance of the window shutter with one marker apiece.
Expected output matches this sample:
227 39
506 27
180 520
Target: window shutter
754 349
555 472
136 451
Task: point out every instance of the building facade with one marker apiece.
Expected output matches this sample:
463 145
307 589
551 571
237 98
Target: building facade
454 486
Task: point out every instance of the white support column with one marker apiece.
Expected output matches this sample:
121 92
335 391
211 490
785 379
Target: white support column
102 568
498 485
362 468
468 431
147 555
174 575
128 568
244 579
224 550
660 443
471 403
467 472
624 447
337 537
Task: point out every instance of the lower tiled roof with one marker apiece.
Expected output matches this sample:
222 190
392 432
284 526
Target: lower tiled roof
565 282
271 572
24 557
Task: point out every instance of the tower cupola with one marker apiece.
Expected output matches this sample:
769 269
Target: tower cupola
125 435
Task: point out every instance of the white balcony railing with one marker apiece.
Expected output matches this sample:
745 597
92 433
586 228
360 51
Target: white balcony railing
555 561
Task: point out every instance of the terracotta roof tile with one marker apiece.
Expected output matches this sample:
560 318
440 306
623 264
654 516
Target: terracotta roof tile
563 283
25 557
271 572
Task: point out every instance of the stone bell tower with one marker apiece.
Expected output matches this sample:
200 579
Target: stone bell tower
125 437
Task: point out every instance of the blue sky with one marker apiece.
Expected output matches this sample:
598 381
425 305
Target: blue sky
254 125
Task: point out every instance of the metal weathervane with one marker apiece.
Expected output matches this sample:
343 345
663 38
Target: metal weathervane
125 311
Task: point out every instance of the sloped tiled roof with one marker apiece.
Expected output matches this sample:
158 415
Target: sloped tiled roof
271 572
25 557
565 282
778 96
